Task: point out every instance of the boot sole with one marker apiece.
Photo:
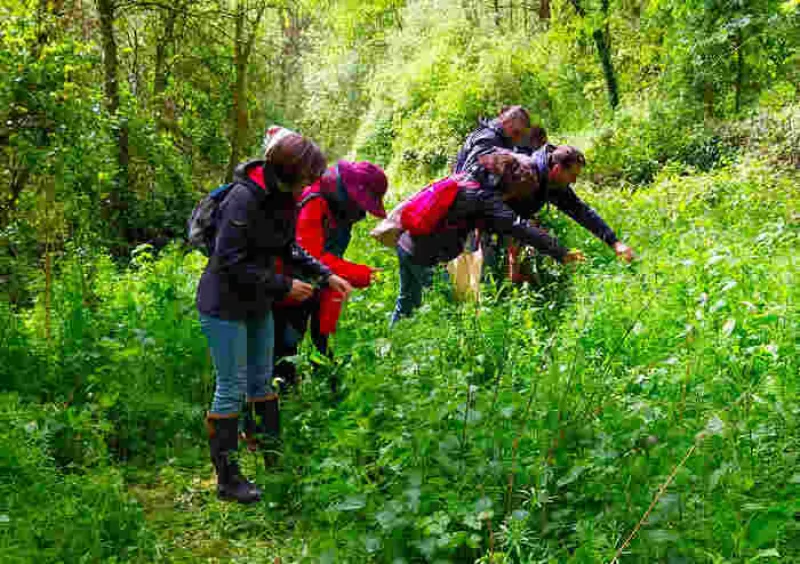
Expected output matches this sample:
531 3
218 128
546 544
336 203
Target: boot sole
227 497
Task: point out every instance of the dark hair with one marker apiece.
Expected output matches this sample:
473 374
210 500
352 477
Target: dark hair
295 158
538 136
513 168
566 156
516 113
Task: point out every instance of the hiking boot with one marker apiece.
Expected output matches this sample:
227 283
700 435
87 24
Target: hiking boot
223 439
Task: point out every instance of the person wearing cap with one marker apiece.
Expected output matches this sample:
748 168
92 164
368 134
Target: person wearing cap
237 290
327 212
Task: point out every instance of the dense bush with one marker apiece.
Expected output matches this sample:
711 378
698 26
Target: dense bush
643 139
121 349
535 426
527 428
438 454
49 516
439 79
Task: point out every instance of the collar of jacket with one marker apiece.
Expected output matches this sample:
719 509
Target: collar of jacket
495 127
542 169
241 174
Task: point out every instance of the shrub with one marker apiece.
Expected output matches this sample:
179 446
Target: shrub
50 517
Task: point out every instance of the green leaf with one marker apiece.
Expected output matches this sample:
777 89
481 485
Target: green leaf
351 503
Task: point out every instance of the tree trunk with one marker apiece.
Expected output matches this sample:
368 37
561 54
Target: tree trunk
739 47
106 9
243 44
604 50
162 48
602 40
544 10
19 178
239 122
466 5
19 117
164 114
708 100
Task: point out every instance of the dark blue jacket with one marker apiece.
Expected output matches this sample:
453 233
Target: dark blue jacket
488 137
563 197
256 226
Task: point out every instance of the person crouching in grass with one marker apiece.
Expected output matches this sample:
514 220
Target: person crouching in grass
327 212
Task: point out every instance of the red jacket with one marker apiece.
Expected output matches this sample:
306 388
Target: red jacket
311 235
314 221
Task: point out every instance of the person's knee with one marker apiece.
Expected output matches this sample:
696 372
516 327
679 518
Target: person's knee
226 401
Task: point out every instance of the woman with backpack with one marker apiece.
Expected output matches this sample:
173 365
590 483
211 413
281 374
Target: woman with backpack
521 182
254 226
327 212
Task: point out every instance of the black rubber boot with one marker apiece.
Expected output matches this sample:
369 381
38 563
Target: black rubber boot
267 417
223 438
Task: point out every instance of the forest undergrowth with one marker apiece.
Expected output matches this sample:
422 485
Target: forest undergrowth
547 423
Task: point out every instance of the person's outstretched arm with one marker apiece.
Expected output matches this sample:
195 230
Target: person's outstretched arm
568 201
311 237
499 217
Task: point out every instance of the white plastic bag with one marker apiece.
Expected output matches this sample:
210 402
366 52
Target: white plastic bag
465 272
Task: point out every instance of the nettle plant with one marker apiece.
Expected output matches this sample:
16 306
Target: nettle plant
537 425
523 429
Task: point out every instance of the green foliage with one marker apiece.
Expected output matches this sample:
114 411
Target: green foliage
724 53
439 80
535 427
694 345
642 140
124 350
526 428
50 517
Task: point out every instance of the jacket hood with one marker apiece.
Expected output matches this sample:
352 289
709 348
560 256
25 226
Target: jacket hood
271 182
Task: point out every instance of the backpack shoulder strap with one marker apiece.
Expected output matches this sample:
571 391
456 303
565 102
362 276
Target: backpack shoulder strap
308 198
327 197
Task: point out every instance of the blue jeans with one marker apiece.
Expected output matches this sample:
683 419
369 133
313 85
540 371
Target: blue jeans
242 352
413 279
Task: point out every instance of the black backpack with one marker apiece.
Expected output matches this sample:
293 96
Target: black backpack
204 221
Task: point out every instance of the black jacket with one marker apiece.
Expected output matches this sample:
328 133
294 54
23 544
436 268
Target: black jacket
481 208
488 137
256 225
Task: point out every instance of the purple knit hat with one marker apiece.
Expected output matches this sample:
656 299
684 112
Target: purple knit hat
366 184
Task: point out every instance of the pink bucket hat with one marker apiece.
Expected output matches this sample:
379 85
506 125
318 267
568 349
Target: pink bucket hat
366 184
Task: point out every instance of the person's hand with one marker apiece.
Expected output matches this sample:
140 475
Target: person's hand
375 274
300 291
574 256
624 252
340 285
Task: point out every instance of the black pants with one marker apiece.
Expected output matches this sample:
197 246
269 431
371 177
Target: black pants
291 324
